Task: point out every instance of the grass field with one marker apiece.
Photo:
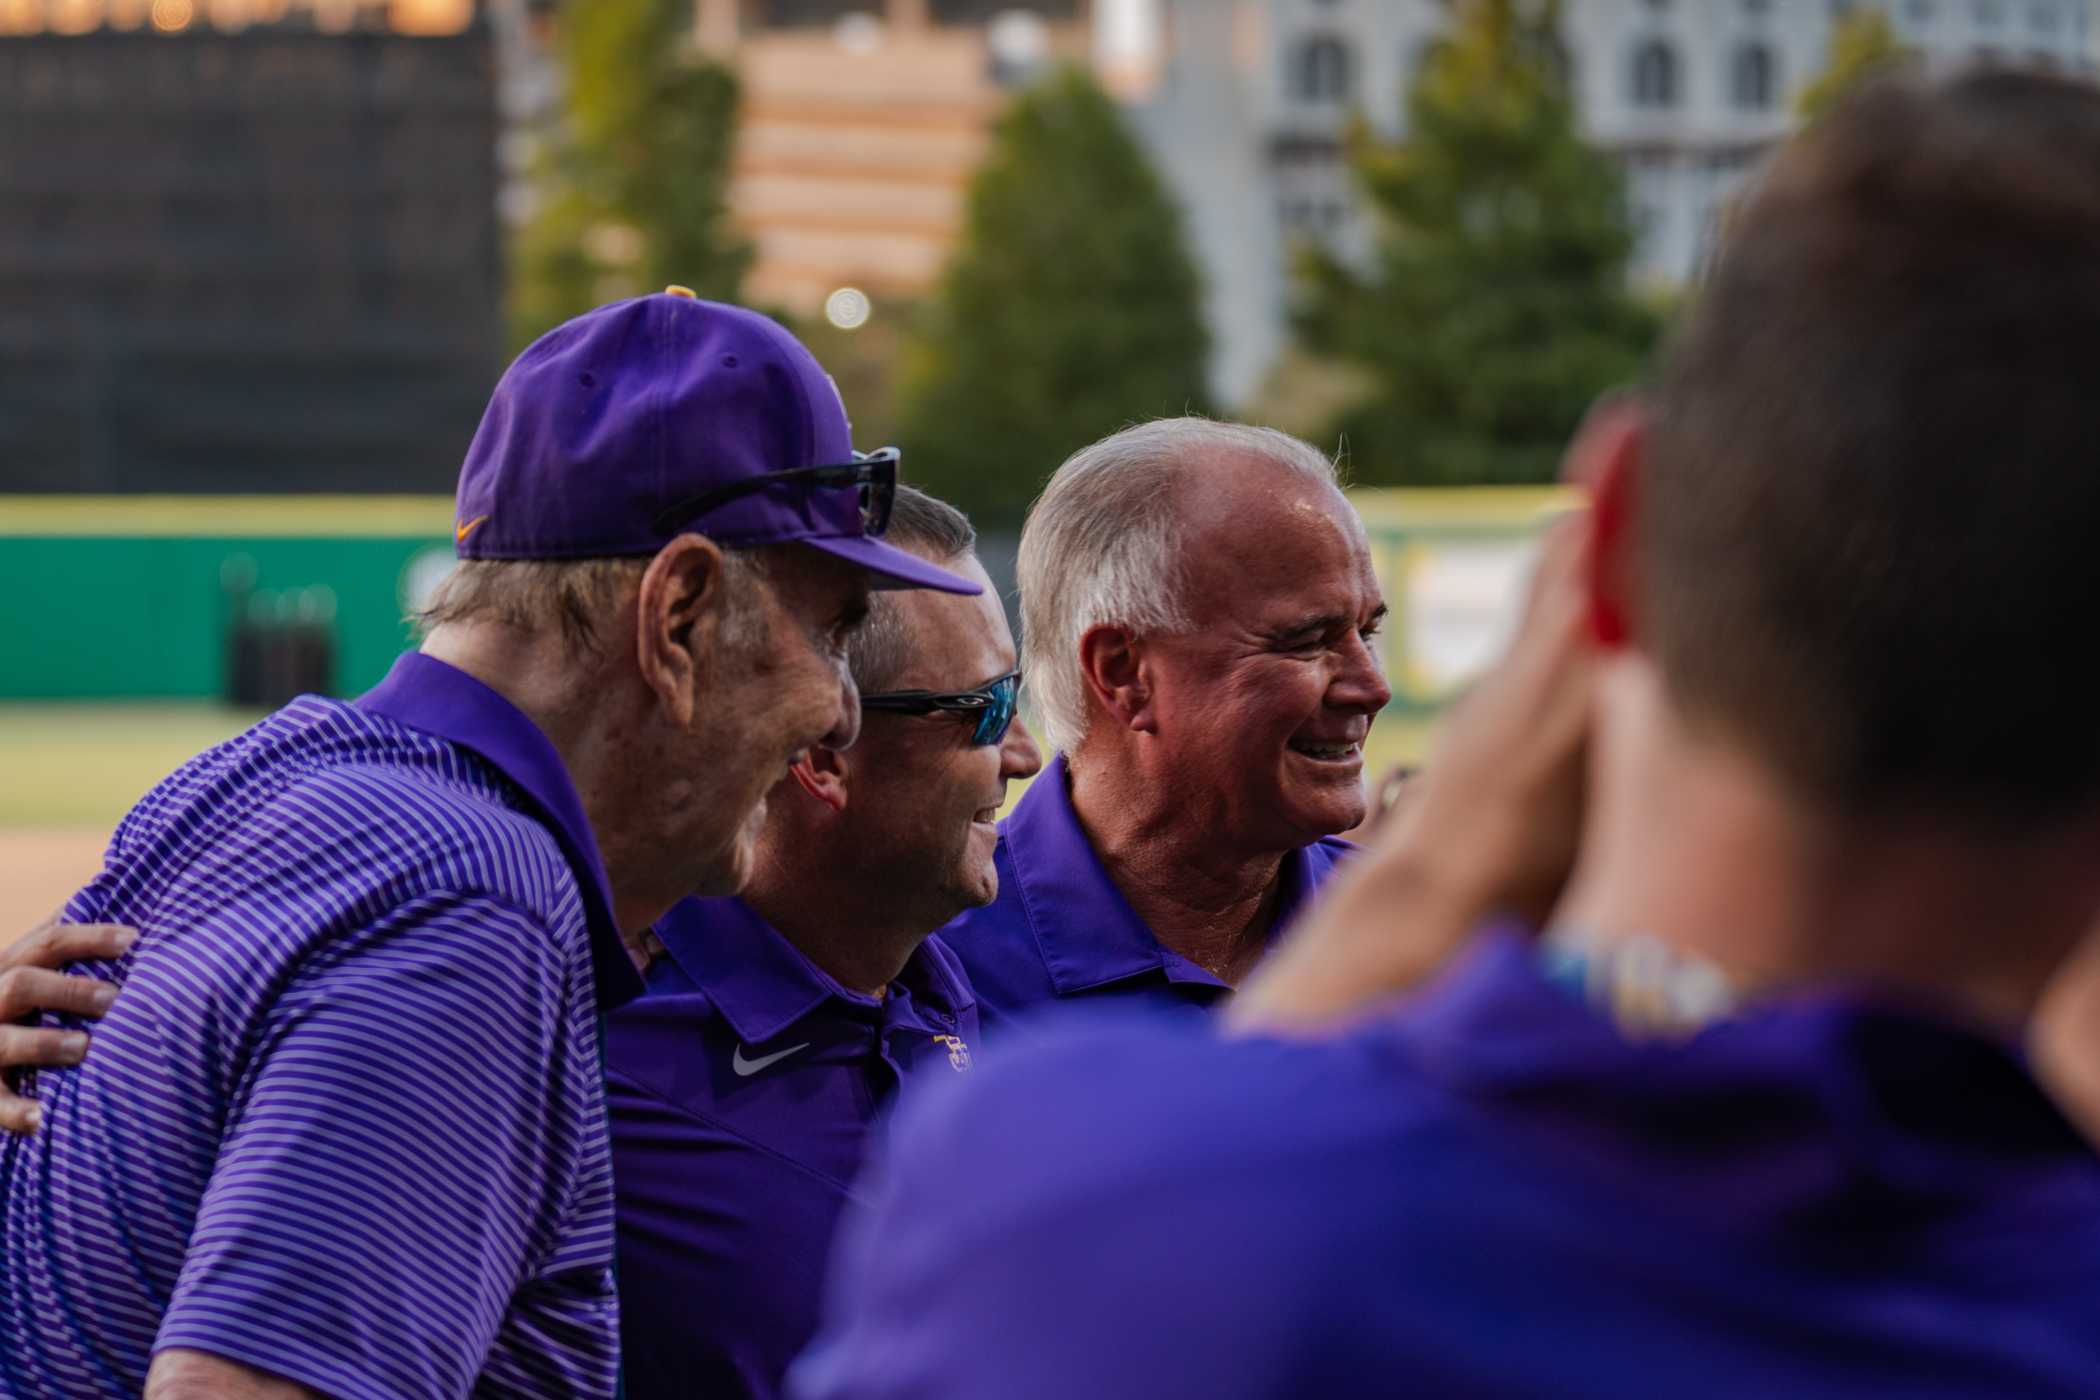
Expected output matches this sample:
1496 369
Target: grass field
68 773
85 764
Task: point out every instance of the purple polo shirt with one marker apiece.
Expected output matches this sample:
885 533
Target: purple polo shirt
1485 1192
346 1122
744 1088
1060 930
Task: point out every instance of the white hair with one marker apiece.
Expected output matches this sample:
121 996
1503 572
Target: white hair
579 598
1102 546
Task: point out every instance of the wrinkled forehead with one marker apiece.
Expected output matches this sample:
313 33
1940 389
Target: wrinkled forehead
1266 532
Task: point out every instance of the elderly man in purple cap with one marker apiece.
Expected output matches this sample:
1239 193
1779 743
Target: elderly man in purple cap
344 1131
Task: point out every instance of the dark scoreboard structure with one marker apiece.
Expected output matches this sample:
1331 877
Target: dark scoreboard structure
246 262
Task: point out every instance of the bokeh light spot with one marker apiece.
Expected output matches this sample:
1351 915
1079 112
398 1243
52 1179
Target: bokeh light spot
848 308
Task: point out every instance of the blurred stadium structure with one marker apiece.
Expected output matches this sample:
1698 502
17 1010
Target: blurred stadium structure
330 160
244 255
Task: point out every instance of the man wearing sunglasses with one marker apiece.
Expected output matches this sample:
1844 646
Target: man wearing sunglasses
744 1083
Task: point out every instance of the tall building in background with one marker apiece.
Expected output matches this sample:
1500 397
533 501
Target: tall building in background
863 121
1244 104
245 245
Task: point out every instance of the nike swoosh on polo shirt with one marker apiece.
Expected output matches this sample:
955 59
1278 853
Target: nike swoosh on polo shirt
747 1068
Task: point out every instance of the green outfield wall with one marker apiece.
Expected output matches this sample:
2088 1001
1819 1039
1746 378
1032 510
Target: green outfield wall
134 597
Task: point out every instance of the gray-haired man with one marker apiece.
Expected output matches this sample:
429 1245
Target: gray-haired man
1198 605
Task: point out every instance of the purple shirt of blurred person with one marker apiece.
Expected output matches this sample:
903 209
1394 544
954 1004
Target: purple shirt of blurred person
1488 1191
1060 930
743 1090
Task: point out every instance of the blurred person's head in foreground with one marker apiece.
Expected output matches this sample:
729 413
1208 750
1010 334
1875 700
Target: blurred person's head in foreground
900 828
666 542
1844 561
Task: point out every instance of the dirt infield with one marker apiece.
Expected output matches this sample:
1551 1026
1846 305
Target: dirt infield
40 869
68 773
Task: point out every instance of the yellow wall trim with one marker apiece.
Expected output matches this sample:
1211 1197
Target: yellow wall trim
193 517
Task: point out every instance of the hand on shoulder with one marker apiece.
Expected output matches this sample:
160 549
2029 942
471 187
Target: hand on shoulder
30 985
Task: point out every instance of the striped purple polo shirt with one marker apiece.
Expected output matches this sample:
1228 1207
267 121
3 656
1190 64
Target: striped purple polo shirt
346 1122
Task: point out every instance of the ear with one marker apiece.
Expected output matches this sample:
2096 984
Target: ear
1605 458
1112 662
822 774
679 616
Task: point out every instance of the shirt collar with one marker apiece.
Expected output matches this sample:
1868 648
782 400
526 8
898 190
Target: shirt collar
1085 929
426 694
1918 1101
762 984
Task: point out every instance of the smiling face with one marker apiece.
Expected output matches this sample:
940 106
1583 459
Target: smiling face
921 798
1261 708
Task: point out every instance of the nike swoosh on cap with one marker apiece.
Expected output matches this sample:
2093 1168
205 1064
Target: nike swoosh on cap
746 1068
460 532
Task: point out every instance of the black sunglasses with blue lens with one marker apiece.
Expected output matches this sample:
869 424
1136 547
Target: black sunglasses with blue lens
992 704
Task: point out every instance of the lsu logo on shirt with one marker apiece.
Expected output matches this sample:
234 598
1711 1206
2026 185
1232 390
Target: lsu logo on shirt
958 1053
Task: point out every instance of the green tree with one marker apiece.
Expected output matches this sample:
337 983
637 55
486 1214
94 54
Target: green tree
1496 306
632 185
1862 44
1069 309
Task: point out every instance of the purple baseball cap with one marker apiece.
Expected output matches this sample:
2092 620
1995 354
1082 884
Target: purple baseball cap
599 435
